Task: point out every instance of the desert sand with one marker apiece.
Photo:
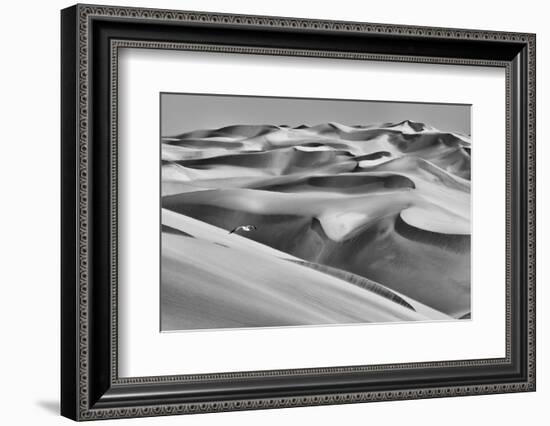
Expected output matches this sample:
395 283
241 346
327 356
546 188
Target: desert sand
365 223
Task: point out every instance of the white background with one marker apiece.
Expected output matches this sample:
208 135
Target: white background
29 229
146 352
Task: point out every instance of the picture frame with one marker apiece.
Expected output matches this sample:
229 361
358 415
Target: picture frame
91 39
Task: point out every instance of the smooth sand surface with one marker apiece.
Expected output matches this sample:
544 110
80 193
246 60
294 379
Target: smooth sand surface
219 280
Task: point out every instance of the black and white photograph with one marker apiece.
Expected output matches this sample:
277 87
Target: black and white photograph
298 212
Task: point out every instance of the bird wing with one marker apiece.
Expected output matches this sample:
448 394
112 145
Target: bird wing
235 229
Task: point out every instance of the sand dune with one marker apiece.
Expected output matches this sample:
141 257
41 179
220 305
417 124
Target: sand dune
206 284
399 139
281 161
389 203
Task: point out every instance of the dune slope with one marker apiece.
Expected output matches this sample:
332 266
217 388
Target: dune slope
215 280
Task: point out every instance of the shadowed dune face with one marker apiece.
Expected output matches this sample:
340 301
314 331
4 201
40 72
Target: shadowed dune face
348 183
389 204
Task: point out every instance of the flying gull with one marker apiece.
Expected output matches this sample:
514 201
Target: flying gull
246 228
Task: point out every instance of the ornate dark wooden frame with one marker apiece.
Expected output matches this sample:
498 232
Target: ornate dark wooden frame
91 38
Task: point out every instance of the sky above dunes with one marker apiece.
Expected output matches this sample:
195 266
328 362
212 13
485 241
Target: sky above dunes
185 112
